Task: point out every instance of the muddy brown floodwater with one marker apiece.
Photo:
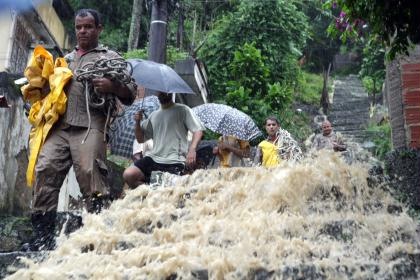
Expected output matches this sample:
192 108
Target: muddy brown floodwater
318 219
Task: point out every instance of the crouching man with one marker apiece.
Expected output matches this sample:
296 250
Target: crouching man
168 127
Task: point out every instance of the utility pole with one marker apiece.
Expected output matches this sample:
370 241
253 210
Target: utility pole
157 34
133 37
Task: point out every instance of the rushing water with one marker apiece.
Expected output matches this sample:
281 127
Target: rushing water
318 219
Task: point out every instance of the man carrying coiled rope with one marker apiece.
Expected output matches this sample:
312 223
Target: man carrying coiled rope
77 138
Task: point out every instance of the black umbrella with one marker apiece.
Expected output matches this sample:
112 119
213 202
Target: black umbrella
157 76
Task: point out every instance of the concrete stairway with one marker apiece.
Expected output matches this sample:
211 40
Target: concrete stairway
349 112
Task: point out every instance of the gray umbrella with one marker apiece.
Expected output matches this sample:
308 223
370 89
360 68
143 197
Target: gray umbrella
227 120
157 76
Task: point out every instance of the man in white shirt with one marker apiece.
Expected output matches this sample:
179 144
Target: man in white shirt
168 127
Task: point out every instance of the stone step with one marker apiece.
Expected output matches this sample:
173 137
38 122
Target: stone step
348 135
349 126
344 115
353 133
355 104
349 112
343 119
348 105
349 93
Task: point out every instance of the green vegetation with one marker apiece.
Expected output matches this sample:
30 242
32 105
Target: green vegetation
172 54
345 71
393 22
297 123
309 88
372 70
276 28
381 136
251 55
120 161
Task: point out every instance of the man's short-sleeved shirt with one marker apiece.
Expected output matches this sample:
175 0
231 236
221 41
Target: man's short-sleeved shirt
326 141
169 129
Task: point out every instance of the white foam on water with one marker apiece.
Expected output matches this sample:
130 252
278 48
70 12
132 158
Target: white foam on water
319 214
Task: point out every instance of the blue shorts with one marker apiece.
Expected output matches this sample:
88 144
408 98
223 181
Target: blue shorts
147 165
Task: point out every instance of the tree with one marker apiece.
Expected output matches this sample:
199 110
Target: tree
133 37
181 28
190 20
249 89
372 71
320 48
395 22
278 29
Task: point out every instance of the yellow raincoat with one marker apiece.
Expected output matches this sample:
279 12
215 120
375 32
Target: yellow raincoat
47 98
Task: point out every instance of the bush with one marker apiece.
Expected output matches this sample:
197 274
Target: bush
276 28
381 136
249 90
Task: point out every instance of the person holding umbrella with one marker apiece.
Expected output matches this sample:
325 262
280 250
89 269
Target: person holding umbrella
168 127
150 103
231 151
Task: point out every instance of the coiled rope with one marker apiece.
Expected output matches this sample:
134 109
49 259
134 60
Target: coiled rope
114 69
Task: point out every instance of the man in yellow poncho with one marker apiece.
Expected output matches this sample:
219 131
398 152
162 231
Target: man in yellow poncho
77 138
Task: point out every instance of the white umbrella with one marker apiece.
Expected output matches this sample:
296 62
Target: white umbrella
227 120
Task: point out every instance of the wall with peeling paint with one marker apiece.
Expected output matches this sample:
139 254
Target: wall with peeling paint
14 131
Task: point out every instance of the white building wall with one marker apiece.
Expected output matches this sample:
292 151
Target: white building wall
7 18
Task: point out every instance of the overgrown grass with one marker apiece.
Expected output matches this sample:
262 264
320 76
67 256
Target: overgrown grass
297 123
309 88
